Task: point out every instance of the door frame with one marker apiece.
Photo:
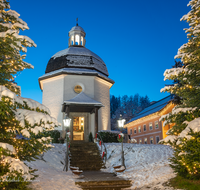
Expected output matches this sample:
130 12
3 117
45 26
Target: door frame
86 123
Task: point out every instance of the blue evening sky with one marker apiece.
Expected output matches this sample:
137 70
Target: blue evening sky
136 39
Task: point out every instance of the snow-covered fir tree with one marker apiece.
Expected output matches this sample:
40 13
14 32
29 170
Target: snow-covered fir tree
184 136
21 119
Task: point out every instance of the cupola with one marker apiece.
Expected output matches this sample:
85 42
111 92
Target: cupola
77 36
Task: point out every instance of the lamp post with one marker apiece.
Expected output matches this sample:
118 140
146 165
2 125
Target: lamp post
121 125
66 122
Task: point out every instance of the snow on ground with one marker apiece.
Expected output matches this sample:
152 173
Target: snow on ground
145 164
51 174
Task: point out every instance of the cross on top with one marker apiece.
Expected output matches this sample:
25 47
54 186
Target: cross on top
76 21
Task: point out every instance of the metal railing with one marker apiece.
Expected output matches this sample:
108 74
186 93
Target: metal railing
102 152
66 153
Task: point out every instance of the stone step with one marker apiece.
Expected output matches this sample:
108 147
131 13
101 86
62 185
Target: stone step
77 159
98 180
76 164
105 185
109 187
85 155
79 154
83 152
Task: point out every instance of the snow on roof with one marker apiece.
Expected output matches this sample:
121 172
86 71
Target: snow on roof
157 106
82 98
77 28
77 51
78 71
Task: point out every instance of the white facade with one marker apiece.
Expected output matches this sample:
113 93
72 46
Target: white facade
77 66
60 88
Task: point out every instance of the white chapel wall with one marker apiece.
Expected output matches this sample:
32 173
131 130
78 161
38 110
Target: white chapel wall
53 96
102 94
87 83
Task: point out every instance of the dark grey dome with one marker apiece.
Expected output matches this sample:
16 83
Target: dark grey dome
76 57
77 28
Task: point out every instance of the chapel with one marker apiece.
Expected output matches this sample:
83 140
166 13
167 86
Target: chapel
76 82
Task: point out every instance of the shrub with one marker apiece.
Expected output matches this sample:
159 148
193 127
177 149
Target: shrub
108 136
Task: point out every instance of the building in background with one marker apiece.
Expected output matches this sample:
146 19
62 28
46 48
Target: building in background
76 80
145 127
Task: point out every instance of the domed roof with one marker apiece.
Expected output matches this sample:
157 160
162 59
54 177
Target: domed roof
76 57
77 28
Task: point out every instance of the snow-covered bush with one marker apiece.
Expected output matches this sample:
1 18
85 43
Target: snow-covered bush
21 119
184 136
108 136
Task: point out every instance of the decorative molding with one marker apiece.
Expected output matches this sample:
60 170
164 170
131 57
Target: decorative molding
104 82
147 134
42 81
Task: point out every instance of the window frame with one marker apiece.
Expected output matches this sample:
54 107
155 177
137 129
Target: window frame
145 127
149 126
140 129
155 125
156 139
146 140
135 130
150 140
141 141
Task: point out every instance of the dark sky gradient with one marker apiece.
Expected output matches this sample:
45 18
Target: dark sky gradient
136 39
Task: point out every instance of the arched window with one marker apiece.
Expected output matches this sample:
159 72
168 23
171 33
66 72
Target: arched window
77 40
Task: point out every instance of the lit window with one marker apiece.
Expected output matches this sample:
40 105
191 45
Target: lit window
157 139
130 131
144 127
156 124
145 140
139 129
150 126
135 130
151 140
77 40
140 141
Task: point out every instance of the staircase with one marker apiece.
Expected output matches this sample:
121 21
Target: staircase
85 155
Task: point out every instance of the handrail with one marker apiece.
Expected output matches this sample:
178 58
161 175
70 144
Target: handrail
104 148
67 154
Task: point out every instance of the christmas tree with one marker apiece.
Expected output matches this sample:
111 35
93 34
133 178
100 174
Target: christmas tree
184 136
22 120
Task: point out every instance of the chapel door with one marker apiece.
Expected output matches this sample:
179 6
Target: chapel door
78 128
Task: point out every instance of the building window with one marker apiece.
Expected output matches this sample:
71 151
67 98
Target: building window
156 125
157 139
140 141
145 140
139 129
130 131
77 40
144 127
150 126
151 140
135 130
